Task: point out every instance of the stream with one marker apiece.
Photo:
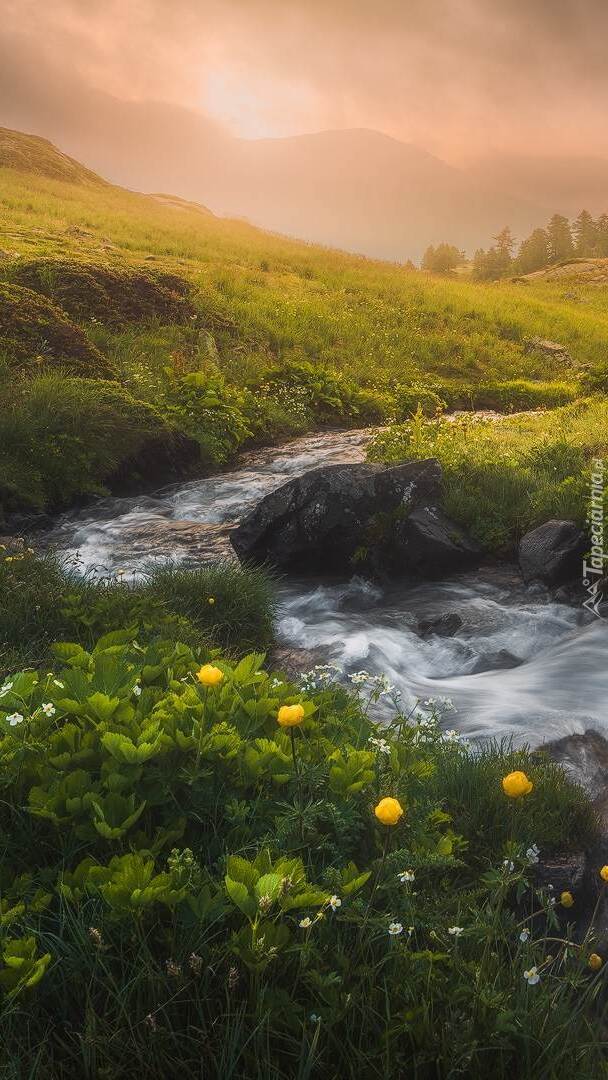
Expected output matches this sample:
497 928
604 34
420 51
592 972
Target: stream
521 664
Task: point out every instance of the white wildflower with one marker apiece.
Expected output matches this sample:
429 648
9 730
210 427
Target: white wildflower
305 924
395 928
14 719
335 902
532 854
5 689
455 931
48 709
406 876
524 937
508 865
137 690
532 977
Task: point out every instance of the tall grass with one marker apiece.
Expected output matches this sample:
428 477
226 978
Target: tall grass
46 599
504 477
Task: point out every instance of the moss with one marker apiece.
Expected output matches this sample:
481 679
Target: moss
61 438
34 334
88 291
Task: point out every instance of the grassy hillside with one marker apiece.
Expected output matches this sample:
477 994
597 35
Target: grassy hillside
232 335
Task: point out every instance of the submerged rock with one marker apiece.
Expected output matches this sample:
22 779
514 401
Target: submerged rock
445 625
552 553
501 660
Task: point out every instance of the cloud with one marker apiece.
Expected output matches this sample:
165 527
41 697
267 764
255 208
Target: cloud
460 77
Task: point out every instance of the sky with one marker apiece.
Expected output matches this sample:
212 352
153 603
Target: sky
461 78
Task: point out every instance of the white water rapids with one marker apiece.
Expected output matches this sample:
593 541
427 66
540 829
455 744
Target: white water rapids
559 685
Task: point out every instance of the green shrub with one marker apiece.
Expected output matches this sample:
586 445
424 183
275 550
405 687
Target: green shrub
409 399
206 408
61 437
112 296
35 334
203 891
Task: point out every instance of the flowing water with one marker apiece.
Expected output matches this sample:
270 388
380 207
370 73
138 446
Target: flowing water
521 664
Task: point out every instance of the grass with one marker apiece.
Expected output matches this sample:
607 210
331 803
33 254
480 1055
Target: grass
189 887
504 477
47 598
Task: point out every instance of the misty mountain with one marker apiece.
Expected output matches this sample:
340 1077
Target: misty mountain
356 189
566 184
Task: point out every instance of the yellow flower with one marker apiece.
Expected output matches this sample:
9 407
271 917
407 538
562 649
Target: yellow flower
567 899
209 675
211 600
388 811
604 873
290 715
516 784
595 962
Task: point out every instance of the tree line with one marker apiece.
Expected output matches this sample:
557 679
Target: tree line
558 242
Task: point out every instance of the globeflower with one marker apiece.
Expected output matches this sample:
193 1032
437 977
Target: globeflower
210 675
516 784
604 873
290 716
595 962
566 899
388 811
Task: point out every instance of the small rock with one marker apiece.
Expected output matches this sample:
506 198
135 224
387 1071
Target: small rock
445 625
550 349
552 553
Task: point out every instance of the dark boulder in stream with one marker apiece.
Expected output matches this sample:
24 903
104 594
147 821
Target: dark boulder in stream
552 553
364 517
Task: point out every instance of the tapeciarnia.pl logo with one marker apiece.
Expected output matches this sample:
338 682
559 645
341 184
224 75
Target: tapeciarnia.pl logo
594 570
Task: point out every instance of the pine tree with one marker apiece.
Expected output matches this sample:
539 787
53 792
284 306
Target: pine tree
602 236
504 251
442 258
585 234
533 253
561 247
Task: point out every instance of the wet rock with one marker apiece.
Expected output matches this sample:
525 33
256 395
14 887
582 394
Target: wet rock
445 625
566 873
501 660
552 553
337 518
585 758
430 544
296 662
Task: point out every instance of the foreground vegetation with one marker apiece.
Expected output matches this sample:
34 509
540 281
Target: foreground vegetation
504 477
45 598
200 876
125 319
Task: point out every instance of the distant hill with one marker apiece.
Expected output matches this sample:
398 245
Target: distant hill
30 153
362 191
